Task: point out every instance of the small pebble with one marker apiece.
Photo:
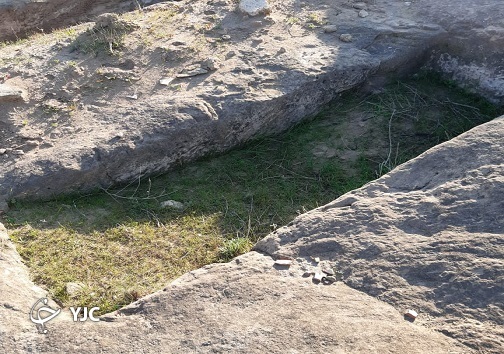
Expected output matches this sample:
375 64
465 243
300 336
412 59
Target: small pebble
318 276
330 28
360 6
210 63
411 314
328 271
32 143
166 81
363 13
345 37
328 280
283 262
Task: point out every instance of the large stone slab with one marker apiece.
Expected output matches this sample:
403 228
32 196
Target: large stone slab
246 306
428 236
275 71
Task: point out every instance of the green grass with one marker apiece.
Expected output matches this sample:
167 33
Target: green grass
120 244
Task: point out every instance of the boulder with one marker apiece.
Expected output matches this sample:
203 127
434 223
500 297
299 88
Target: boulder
426 236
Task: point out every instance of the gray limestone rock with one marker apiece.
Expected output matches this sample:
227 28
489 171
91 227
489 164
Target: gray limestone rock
330 28
10 93
254 7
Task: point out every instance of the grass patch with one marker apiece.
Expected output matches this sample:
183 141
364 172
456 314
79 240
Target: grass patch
120 244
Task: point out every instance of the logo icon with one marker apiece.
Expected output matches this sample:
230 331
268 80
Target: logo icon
40 320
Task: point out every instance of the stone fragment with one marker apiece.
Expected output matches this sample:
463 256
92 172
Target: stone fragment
317 277
328 280
281 50
328 271
166 81
172 204
411 314
178 43
210 64
32 143
254 7
191 72
230 54
226 37
10 93
3 151
283 262
330 28
18 152
363 13
316 259
346 37
360 6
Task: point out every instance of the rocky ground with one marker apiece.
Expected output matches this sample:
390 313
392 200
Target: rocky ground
104 103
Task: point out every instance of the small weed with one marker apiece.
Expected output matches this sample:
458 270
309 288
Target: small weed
314 20
106 38
292 20
234 247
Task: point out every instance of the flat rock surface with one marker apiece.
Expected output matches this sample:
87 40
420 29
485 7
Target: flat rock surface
101 117
428 236
245 307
